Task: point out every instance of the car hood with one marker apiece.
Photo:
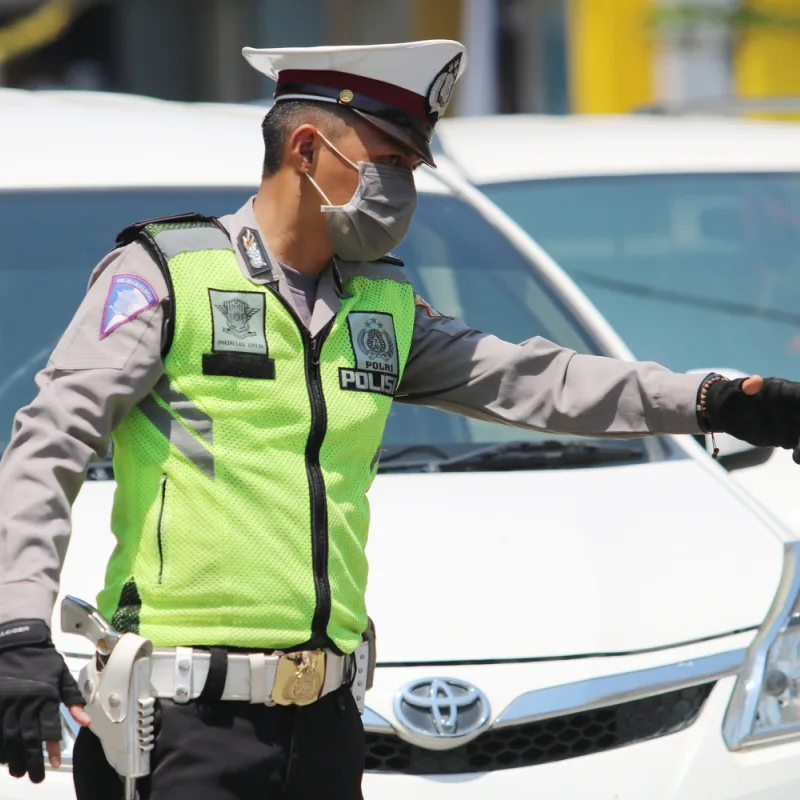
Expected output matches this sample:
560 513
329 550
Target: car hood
504 565
553 563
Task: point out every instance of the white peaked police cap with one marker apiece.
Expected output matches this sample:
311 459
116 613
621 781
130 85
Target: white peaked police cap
403 88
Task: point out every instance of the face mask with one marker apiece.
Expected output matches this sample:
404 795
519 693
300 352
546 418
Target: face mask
379 214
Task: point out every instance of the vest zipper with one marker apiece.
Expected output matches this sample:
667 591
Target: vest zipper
316 482
163 483
312 348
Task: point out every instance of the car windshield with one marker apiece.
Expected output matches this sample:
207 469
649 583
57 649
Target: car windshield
693 271
456 259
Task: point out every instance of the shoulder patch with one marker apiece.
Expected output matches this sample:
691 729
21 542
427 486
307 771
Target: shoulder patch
129 234
128 296
429 309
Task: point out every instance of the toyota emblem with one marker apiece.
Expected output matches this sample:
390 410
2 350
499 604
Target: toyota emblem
441 708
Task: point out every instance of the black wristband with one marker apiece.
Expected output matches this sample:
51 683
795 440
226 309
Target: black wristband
23 633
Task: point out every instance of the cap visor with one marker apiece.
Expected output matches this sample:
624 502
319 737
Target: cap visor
412 141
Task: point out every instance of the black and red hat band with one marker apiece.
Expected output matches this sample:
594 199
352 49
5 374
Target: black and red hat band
390 94
348 98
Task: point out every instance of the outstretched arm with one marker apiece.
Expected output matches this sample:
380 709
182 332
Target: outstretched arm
537 384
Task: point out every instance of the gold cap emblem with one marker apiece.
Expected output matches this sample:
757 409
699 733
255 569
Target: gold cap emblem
346 96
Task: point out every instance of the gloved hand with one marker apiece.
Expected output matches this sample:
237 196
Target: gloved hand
33 681
762 411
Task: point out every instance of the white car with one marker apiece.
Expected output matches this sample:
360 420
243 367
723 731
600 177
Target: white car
683 231
567 621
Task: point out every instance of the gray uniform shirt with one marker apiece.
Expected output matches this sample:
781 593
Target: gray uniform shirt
304 291
91 383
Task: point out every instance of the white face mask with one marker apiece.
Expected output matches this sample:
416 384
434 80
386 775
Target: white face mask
378 216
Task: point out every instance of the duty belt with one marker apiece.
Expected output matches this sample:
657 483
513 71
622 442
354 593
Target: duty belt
300 678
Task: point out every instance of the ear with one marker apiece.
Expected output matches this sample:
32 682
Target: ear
302 148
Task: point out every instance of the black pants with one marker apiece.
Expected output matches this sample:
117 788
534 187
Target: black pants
238 751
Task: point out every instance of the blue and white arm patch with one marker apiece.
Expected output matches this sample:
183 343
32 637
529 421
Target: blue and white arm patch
128 296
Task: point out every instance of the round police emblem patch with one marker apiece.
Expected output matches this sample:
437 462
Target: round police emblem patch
374 342
440 91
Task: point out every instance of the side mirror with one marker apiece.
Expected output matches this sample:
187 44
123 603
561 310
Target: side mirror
733 453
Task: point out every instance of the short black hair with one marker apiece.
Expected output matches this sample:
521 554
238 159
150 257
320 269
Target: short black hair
287 116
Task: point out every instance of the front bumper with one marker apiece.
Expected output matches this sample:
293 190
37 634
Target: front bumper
694 764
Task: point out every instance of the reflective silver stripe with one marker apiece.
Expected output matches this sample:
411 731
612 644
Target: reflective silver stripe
190 240
178 436
185 409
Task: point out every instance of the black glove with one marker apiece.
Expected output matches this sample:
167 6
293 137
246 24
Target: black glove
769 418
33 681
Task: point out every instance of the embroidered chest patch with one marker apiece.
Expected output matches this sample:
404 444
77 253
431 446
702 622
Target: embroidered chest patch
374 343
238 321
128 296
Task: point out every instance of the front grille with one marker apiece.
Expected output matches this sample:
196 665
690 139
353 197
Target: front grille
545 741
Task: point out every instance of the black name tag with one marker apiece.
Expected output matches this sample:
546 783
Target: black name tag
239 365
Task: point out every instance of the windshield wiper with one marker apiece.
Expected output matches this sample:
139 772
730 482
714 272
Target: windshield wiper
431 449
550 454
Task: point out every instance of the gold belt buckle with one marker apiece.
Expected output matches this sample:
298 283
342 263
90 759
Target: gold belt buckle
299 678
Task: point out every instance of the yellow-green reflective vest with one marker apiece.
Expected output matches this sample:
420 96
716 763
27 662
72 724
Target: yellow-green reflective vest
241 513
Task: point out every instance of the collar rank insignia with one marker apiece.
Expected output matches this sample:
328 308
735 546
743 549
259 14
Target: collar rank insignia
253 251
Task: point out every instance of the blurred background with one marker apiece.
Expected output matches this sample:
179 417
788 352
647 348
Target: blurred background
547 56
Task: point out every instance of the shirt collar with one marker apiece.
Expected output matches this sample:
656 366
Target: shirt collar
260 265
338 282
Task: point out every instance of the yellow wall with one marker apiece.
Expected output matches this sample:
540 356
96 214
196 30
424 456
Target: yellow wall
767 60
610 55
437 19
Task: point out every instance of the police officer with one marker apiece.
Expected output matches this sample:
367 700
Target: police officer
244 368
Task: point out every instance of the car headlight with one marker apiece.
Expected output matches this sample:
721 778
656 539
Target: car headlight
765 705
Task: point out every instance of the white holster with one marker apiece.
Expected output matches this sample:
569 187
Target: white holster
120 701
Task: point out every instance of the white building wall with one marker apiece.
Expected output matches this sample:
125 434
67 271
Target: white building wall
694 65
477 91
